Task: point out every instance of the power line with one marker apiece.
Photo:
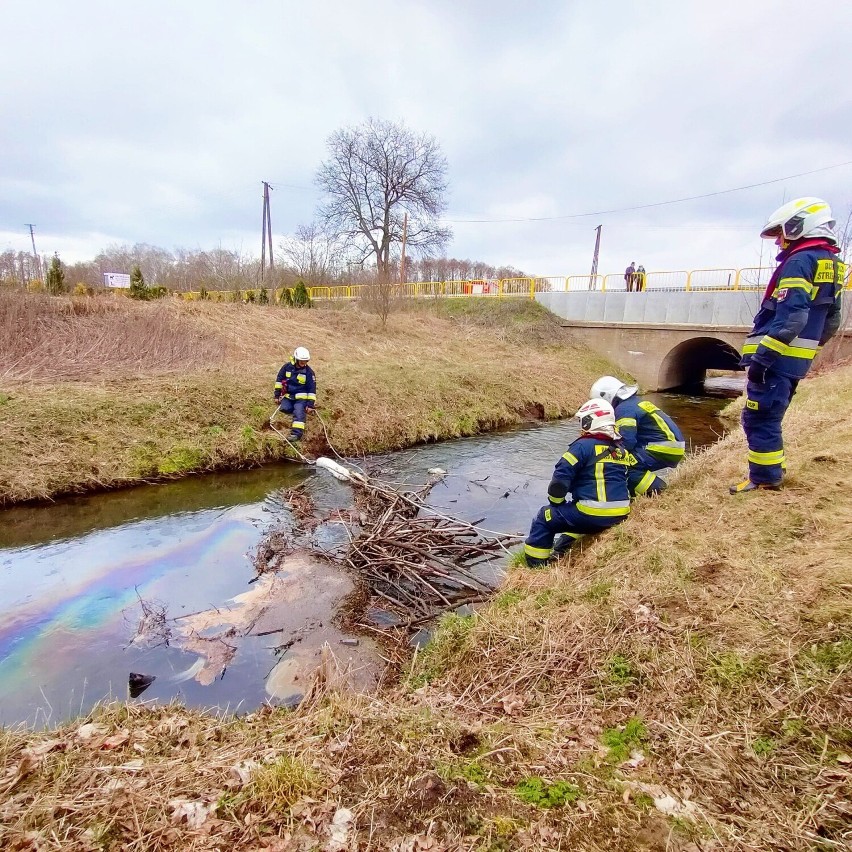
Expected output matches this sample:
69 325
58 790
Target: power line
654 204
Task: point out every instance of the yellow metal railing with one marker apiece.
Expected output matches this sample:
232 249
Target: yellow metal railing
750 278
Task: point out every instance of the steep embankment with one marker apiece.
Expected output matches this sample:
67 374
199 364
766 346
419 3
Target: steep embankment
682 683
96 393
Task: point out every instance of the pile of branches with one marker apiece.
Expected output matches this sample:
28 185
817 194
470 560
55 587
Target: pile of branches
413 562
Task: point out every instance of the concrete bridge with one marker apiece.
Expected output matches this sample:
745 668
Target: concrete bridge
664 339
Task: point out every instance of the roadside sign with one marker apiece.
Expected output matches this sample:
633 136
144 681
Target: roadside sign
116 279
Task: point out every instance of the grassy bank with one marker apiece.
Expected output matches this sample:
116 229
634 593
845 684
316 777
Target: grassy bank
682 683
98 393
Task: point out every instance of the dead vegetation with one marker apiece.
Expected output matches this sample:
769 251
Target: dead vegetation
681 683
201 398
44 338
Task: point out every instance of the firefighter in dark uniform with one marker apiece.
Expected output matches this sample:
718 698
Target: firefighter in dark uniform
296 391
800 311
647 432
594 471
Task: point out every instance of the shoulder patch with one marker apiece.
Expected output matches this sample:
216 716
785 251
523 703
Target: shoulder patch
780 295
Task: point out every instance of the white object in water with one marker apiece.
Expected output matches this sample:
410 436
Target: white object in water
190 673
339 471
436 471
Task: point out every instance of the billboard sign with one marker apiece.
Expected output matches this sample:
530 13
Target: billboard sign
116 279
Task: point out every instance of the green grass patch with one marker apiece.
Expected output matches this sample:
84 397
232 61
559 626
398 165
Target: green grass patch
542 794
508 599
281 784
763 746
465 770
450 639
181 459
829 657
597 592
621 741
620 671
732 671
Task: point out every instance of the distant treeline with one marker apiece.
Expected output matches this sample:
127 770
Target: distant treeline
220 269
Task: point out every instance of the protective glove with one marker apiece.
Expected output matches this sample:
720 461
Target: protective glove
757 373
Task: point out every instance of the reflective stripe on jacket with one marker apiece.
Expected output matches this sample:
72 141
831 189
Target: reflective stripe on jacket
594 470
799 315
295 382
645 427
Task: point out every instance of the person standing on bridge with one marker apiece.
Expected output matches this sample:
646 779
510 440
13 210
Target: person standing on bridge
630 276
800 311
647 433
594 471
296 391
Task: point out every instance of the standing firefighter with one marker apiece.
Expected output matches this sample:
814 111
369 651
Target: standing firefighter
296 390
799 313
647 432
594 471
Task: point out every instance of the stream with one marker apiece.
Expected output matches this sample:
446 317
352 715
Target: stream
72 574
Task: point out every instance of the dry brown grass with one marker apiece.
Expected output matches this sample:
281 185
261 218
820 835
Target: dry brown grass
65 339
682 683
425 376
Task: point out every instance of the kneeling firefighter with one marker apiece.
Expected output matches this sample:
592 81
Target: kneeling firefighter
594 470
296 390
800 312
647 432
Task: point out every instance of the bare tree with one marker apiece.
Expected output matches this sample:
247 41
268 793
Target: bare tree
375 173
844 236
313 254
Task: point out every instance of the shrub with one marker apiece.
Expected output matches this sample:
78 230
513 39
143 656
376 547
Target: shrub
263 296
286 298
203 294
301 297
81 289
250 296
138 290
55 280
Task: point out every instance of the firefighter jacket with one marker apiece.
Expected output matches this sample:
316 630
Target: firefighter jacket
647 429
800 310
296 383
594 470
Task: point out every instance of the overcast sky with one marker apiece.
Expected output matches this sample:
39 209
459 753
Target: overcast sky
156 122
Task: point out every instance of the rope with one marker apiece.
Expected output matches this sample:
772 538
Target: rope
285 439
424 506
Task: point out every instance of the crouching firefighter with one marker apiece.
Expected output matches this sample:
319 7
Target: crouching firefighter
800 311
647 433
296 391
594 470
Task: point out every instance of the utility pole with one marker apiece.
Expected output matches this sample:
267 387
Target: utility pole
266 232
35 253
402 259
595 257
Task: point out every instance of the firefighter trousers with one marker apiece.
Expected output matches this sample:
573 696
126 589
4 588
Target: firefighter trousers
764 410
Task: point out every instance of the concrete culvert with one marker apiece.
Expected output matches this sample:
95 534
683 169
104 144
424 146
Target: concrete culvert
688 362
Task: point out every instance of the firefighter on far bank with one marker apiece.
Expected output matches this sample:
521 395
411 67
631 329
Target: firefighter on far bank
800 311
647 432
296 391
594 471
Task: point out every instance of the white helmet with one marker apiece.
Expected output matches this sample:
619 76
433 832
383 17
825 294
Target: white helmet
597 416
302 354
610 388
796 220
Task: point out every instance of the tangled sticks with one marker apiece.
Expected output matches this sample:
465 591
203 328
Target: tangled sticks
417 562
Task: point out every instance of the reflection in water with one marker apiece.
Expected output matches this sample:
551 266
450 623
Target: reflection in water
71 573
